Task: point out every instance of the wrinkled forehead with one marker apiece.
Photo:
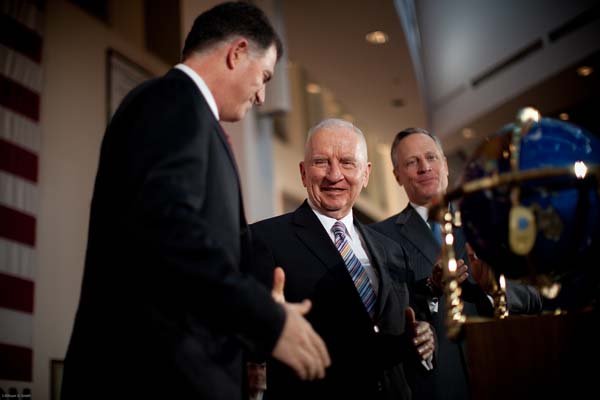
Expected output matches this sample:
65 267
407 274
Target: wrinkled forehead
336 141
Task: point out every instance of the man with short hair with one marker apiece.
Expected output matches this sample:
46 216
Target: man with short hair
421 168
354 276
164 306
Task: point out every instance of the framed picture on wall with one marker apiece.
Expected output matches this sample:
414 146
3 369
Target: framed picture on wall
122 75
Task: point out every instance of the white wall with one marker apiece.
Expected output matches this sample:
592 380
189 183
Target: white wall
463 38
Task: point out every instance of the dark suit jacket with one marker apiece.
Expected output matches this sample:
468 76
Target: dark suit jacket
365 364
163 305
449 379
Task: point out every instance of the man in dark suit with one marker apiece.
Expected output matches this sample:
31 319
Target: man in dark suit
164 307
420 167
354 276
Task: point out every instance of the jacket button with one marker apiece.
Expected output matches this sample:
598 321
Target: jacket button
379 386
376 328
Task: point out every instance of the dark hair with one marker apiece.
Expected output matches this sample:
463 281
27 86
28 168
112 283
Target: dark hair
231 19
409 131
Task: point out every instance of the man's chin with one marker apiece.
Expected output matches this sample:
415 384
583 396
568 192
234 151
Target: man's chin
235 116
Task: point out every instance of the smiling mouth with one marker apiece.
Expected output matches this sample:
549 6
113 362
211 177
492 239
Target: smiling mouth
332 189
427 180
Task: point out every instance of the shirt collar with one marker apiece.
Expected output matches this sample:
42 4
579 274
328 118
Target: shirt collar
328 222
202 86
422 211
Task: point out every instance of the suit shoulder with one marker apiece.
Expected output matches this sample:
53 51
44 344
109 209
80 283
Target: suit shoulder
381 237
386 225
271 224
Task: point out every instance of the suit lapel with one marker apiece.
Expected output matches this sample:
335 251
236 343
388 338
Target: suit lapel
415 230
310 232
207 111
377 256
223 138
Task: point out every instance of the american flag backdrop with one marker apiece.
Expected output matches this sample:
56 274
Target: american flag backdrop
21 41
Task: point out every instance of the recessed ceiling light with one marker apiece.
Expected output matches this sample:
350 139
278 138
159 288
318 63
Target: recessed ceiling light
377 37
468 133
585 70
397 103
564 116
313 88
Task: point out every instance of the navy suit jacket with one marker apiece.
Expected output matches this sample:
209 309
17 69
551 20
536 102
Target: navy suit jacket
164 307
368 355
449 379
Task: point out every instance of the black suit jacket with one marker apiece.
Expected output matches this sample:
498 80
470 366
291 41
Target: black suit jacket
164 307
449 379
365 363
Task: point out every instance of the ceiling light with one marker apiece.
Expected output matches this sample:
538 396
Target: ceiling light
313 88
397 103
468 133
377 37
563 116
585 70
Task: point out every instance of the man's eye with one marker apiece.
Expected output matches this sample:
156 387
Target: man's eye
320 162
411 163
432 157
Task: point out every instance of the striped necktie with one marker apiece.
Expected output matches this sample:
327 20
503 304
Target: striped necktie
355 268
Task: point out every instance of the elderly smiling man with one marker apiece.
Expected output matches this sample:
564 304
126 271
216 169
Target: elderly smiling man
354 276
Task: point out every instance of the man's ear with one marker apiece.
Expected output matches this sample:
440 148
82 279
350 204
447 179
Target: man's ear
446 165
302 173
397 177
367 174
236 50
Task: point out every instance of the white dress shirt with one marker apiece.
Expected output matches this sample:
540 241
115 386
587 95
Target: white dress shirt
208 96
356 243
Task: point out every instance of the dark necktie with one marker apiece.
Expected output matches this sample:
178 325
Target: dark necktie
354 267
436 230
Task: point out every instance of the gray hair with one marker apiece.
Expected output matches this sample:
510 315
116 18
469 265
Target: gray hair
409 131
332 123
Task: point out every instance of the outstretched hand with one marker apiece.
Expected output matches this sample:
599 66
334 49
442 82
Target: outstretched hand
278 284
299 346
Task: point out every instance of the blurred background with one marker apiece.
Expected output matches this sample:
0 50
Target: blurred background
460 68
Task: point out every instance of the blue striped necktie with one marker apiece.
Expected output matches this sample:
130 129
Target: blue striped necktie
354 267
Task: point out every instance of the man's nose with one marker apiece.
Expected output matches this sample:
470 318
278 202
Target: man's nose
334 172
260 97
424 165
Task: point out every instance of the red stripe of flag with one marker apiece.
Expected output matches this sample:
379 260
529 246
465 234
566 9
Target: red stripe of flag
16 363
18 161
17 226
16 293
18 98
19 37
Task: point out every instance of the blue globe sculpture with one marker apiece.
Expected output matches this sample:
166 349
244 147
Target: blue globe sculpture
530 204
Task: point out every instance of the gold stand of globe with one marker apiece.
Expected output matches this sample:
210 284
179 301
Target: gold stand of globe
521 236
534 356
452 291
499 296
